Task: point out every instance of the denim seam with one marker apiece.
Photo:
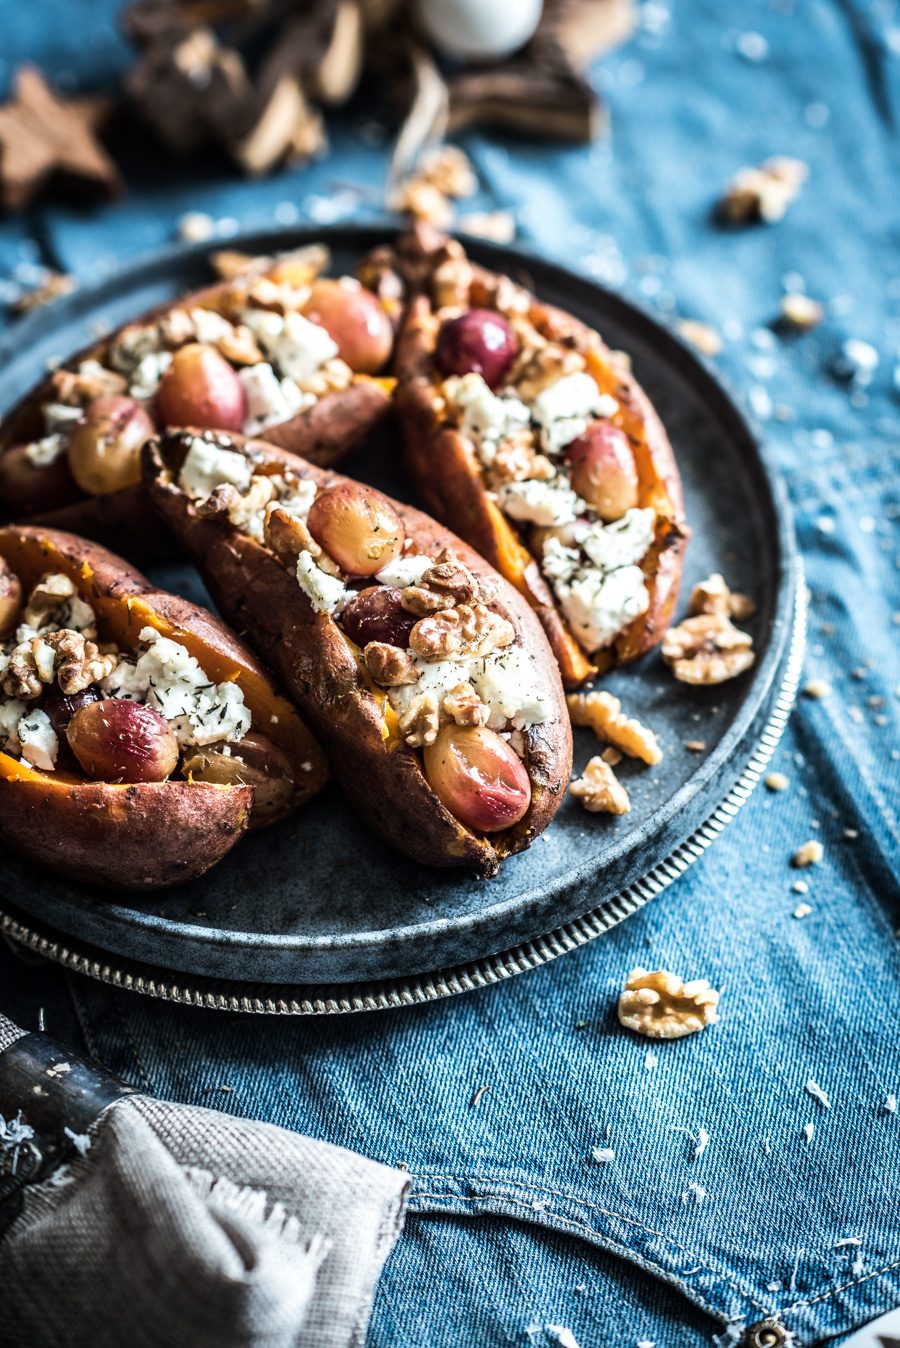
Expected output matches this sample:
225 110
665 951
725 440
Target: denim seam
616 1244
825 1296
595 1207
132 1045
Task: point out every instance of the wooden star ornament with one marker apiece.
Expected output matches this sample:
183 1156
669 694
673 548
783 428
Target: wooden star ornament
44 137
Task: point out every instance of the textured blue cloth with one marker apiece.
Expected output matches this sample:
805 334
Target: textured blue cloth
516 1231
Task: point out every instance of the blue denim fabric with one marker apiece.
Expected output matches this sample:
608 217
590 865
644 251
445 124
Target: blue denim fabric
515 1228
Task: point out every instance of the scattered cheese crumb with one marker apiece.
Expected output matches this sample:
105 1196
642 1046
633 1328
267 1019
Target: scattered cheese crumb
848 1240
196 227
776 781
809 854
603 1154
564 1336
817 688
800 887
801 312
703 337
650 1061
80 1141
702 1142
695 746
890 1104
802 910
808 1130
817 1093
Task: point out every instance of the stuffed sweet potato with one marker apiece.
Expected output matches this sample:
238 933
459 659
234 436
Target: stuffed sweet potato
425 675
139 737
273 348
533 441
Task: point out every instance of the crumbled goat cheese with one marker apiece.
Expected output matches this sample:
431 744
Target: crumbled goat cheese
505 680
560 562
209 326
808 1130
564 409
46 451
299 494
815 1090
270 400
404 571
149 371
37 737
11 714
695 1191
598 606
621 543
59 417
132 345
171 681
327 594
543 503
487 418
73 613
207 467
299 348
603 1154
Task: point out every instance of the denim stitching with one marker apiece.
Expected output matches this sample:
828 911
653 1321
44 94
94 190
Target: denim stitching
609 1240
132 1045
607 1212
814 1301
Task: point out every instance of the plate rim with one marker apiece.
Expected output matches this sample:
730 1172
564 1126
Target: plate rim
283 999
726 405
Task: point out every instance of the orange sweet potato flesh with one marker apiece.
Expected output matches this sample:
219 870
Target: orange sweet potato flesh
325 433
443 465
324 672
149 835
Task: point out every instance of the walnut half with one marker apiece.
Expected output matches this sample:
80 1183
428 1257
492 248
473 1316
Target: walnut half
603 713
707 649
713 596
660 1006
599 790
389 665
470 631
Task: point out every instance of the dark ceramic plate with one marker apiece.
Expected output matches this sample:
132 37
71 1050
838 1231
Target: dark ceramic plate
320 900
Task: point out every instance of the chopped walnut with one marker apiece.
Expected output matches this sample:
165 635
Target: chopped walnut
545 368
801 311
713 596
660 1006
611 756
177 327
378 272
52 286
707 649
470 630
50 593
421 721
450 283
449 576
280 296
261 491
497 226
389 665
78 662
422 601
288 536
763 193
22 678
240 346
599 790
516 460
810 854
332 377
703 337
603 713
76 388
424 201
132 344
465 707
449 169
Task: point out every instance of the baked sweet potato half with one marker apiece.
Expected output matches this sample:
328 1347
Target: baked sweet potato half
424 674
534 442
139 737
274 348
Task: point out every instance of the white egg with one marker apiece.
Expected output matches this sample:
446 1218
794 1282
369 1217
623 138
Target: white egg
479 28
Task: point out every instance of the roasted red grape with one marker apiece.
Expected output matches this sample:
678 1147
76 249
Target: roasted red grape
376 614
201 389
256 761
27 487
355 320
478 777
357 527
104 450
120 741
603 470
60 708
478 342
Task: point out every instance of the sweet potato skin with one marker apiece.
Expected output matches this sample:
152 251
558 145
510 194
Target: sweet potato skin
147 835
325 674
444 469
325 433
141 837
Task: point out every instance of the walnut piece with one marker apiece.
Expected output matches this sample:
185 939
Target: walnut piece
713 596
240 346
546 367
463 705
389 665
763 193
76 388
449 576
810 854
660 1006
421 721
421 601
516 460
333 376
470 631
449 169
177 327
288 536
603 713
450 283
50 593
424 201
707 649
62 656
599 790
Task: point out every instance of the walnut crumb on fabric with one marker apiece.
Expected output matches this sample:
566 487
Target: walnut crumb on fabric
695 746
599 790
777 781
809 854
658 1005
703 337
763 193
603 714
817 688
